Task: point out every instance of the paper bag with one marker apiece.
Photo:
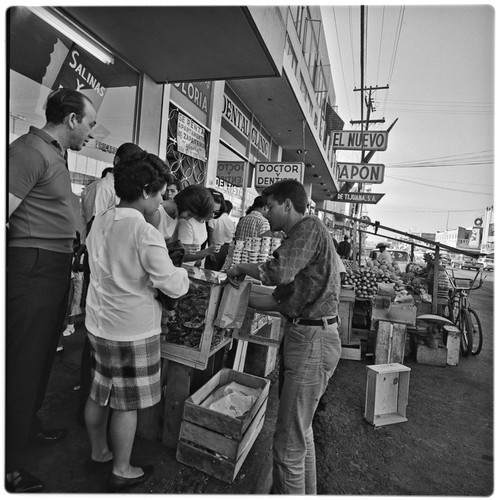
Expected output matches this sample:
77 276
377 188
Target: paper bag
233 305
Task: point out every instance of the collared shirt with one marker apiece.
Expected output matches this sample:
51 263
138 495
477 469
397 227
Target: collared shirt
224 229
128 260
252 225
99 196
305 272
39 176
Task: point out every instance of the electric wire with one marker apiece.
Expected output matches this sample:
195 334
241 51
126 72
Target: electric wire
447 188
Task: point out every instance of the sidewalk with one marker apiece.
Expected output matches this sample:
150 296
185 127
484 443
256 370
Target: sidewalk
60 465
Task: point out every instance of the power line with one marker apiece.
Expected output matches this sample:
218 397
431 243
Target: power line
439 187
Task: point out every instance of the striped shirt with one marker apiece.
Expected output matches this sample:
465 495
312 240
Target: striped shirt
252 225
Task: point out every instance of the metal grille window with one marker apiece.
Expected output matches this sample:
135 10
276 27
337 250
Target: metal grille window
185 168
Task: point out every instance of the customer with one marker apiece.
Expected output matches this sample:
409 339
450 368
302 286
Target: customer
307 282
41 231
223 234
174 186
344 248
128 261
195 205
99 196
254 223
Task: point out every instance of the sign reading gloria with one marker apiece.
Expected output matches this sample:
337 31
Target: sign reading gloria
360 172
190 138
269 173
231 171
359 197
360 140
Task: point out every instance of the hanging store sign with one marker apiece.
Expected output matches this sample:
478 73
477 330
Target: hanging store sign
231 172
269 173
190 138
194 98
370 198
360 140
81 73
360 172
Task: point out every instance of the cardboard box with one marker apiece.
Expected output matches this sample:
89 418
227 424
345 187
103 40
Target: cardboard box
387 387
214 442
434 356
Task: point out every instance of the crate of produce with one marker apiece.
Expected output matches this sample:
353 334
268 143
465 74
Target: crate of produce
260 328
188 334
215 438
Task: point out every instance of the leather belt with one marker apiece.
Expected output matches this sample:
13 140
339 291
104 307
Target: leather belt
315 322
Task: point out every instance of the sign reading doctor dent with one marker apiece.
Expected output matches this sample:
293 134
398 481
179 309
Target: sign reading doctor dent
269 173
190 138
231 172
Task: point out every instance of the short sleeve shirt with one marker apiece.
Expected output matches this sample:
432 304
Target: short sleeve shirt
252 225
39 176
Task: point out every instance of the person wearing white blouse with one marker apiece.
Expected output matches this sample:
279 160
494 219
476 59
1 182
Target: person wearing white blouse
129 262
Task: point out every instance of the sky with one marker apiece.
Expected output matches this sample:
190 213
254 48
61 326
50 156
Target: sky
438 62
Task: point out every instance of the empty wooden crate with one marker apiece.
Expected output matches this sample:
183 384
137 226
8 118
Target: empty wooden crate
217 443
387 388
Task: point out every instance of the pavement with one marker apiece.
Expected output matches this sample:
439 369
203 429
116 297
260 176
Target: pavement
61 465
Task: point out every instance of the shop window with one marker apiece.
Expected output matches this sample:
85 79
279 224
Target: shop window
185 168
41 59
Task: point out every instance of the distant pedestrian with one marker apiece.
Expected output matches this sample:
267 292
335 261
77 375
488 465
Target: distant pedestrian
344 248
223 234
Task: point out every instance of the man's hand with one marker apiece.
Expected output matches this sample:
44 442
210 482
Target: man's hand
235 276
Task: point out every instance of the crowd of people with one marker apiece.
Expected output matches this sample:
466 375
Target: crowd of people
137 225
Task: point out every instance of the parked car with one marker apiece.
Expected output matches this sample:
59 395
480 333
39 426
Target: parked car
488 262
468 263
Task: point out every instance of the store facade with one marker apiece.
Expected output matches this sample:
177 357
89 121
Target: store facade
210 132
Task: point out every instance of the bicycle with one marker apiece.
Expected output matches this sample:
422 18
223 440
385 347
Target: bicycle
462 315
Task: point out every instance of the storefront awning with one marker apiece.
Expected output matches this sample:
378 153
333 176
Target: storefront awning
172 44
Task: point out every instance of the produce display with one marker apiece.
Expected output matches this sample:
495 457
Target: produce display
415 279
185 324
366 280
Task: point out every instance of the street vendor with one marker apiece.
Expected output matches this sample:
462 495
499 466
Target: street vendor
384 255
307 279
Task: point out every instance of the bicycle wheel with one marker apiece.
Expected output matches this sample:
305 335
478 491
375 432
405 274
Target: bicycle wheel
453 309
477 333
466 329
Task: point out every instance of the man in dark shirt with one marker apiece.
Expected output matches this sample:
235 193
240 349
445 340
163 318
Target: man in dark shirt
307 281
39 255
344 248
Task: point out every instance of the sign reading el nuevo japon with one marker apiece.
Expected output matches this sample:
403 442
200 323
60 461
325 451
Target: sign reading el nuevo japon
358 197
360 140
369 173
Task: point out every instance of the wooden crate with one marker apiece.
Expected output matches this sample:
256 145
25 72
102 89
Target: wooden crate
387 389
346 309
390 342
213 442
397 313
176 329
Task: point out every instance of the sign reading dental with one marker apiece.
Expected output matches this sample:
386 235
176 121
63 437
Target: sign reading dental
269 173
360 172
360 140
190 138
235 116
231 171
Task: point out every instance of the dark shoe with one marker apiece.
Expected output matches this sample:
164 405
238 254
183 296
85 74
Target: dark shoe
23 482
118 483
92 464
49 436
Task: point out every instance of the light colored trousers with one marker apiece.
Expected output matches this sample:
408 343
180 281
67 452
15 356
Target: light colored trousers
309 358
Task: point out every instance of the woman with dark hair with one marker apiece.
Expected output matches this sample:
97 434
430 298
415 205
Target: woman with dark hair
195 205
254 223
128 261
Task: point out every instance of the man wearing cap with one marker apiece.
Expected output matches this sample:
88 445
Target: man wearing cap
307 279
384 255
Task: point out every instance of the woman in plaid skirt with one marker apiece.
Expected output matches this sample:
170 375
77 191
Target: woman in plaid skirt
129 261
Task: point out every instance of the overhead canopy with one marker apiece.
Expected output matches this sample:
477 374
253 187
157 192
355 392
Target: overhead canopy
172 44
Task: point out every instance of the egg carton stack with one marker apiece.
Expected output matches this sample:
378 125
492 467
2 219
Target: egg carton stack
254 250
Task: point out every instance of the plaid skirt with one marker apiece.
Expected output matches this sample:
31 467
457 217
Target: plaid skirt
125 375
